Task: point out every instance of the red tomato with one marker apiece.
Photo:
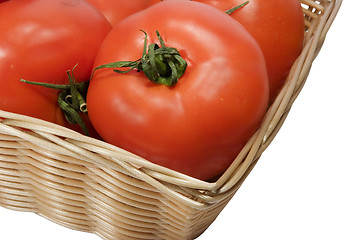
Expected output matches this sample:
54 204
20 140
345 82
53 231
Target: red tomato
40 40
152 2
278 27
116 10
200 124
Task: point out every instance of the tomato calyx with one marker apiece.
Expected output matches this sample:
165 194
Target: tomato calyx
71 99
161 64
231 10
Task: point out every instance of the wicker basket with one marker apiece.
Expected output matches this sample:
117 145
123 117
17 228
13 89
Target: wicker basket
89 185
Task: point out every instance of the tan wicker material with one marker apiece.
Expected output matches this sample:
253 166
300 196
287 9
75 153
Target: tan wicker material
89 185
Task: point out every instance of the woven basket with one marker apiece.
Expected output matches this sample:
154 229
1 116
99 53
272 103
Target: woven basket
89 185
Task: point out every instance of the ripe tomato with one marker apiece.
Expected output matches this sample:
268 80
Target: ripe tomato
198 125
152 2
116 10
40 40
278 27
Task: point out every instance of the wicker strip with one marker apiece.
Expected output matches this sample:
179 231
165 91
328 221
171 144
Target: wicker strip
89 185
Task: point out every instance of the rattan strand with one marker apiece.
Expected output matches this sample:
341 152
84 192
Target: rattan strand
89 185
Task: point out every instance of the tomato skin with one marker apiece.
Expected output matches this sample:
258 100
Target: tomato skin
199 125
278 27
152 2
116 10
40 41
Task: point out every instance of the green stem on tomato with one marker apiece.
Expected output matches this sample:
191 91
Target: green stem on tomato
80 86
71 98
160 64
231 10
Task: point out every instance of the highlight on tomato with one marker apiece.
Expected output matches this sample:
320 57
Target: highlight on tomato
42 41
180 84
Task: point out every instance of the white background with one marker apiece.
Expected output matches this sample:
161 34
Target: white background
307 183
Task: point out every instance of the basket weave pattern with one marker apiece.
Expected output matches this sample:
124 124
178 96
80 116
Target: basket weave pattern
89 185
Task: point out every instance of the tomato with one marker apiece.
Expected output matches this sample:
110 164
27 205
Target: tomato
278 27
40 40
116 10
152 2
198 125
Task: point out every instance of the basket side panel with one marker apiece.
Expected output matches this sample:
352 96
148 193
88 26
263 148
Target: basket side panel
77 194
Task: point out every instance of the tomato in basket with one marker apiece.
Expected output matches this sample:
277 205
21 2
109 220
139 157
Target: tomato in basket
116 10
207 95
40 41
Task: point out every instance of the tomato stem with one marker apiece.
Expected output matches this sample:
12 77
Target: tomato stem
161 64
80 86
231 10
71 98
